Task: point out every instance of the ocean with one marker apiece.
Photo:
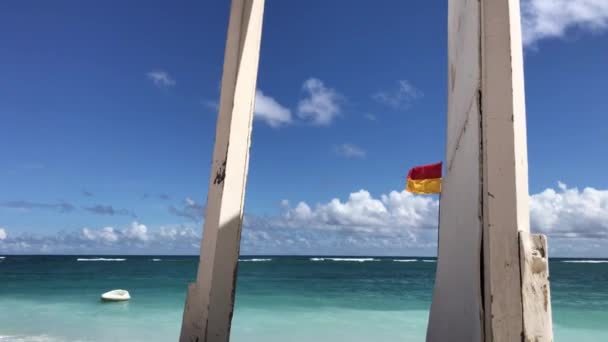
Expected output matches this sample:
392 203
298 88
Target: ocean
296 299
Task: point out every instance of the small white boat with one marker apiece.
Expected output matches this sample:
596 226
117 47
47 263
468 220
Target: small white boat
116 296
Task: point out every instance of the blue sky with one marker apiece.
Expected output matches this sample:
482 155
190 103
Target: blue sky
108 112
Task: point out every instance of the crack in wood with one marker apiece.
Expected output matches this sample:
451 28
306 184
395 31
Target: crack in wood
460 134
220 174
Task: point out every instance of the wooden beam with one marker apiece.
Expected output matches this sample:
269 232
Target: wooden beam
505 166
484 201
457 308
535 291
210 301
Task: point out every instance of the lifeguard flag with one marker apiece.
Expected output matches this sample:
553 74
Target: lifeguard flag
425 179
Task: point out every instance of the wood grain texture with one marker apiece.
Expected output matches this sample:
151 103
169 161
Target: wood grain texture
484 201
505 166
535 289
457 311
210 301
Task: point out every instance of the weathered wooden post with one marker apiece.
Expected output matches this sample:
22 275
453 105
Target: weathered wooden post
492 274
210 301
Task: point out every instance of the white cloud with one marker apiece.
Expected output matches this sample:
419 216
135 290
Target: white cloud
191 209
570 217
133 239
570 212
160 78
321 104
270 111
349 151
177 232
387 214
401 98
137 231
396 223
106 234
391 224
554 18
562 213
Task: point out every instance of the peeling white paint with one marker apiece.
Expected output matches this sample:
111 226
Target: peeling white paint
484 201
456 312
210 301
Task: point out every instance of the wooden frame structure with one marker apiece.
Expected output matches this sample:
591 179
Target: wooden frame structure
484 290
210 301
492 274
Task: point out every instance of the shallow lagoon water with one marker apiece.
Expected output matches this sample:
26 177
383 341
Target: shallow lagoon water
56 298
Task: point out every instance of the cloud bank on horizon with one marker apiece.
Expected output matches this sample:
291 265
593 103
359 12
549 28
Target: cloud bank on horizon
576 222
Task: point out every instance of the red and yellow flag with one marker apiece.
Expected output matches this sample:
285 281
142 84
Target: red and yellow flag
425 179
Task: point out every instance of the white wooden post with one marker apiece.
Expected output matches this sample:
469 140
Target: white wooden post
505 167
457 308
480 284
210 301
535 294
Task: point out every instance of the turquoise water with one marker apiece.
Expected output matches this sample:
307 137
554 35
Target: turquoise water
56 298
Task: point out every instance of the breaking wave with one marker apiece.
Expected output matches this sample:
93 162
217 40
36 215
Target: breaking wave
586 261
99 259
255 260
405 260
344 259
40 338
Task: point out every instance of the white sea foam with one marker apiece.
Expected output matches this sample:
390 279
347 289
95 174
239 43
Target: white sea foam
39 338
157 259
586 261
1 257
255 260
344 259
426 260
99 259
405 260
